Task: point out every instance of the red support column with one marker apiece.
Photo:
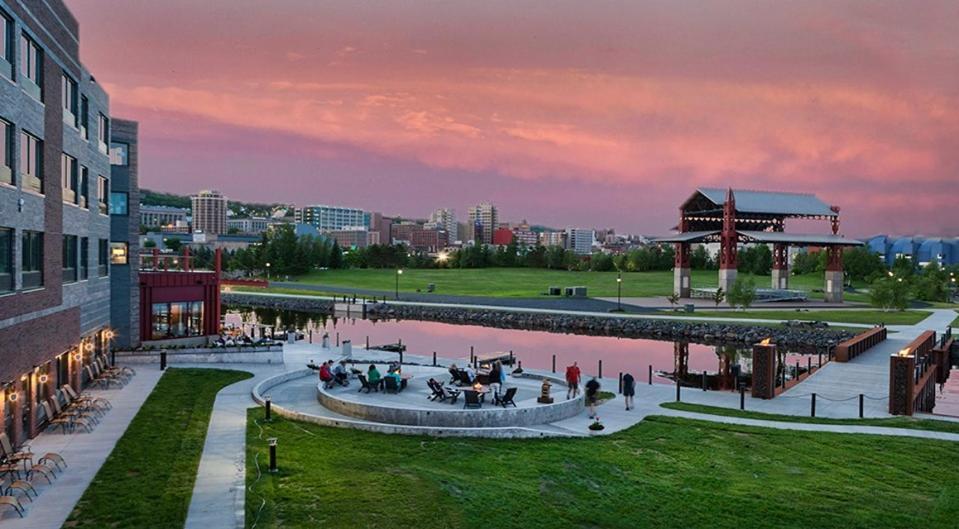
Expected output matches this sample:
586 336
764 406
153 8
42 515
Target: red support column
728 259
834 274
32 403
780 271
186 258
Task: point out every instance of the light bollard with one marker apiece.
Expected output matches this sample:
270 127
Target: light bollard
267 408
272 443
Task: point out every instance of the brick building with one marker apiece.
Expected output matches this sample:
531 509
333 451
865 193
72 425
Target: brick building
55 200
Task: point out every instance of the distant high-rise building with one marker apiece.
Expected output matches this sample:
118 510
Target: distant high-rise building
580 241
553 238
484 216
209 212
444 219
327 218
162 216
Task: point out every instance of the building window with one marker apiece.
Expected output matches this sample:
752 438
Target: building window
85 117
84 258
118 253
6 39
6 259
31 161
119 154
31 65
69 258
103 192
32 259
69 178
103 132
177 320
103 258
119 203
68 97
84 185
6 153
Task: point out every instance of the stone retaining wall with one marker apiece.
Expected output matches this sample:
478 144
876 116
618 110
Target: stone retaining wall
794 339
207 355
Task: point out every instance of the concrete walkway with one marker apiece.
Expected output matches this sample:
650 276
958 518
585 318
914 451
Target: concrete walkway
84 453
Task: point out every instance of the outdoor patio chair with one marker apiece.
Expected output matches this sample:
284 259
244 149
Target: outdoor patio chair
13 456
364 384
472 399
82 406
506 398
105 368
99 402
53 421
450 393
465 378
391 385
75 414
436 390
23 487
108 377
12 502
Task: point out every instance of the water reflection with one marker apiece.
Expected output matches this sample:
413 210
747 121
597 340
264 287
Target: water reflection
724 365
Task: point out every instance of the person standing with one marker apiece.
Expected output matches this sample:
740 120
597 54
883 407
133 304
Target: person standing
592 396
495 384
629 390
572 381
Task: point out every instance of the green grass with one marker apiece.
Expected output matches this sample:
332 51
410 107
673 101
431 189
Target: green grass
663 472
531 282
955 322
909 317
893 422
148 479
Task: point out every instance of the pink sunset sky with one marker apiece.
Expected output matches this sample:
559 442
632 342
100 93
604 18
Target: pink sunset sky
589 114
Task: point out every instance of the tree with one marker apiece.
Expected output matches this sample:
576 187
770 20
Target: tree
173 244
742 293
862 264
889 293
336 256
699 258
719 296
149 243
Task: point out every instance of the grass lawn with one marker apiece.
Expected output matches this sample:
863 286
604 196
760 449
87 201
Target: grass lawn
909 317
532 282
664 472
148 479
893 422
955 322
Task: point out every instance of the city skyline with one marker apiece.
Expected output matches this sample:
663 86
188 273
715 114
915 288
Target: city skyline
408 108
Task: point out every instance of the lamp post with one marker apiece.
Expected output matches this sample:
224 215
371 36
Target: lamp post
619 292
399 272
267 271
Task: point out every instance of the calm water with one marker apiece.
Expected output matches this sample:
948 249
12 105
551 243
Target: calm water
534 348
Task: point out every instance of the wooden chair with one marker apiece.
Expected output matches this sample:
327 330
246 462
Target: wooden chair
506 398
472 399
364 384
436 391
391 385
451 393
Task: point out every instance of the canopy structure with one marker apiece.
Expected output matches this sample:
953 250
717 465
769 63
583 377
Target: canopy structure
734 217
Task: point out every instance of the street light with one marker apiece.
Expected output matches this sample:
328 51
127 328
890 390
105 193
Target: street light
399 272
267 271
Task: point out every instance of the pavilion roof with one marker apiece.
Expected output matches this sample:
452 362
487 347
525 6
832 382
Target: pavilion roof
689 236
770 202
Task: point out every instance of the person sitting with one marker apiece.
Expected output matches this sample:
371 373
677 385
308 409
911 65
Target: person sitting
326 376
470 374
454 374
374 378
395 375
340 374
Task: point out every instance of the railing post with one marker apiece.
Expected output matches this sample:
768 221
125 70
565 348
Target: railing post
434 358
704 380
860 405
337 338
554 363
600 369
742 396
620 382
367 341
812 411
677 388
650 374
163 360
